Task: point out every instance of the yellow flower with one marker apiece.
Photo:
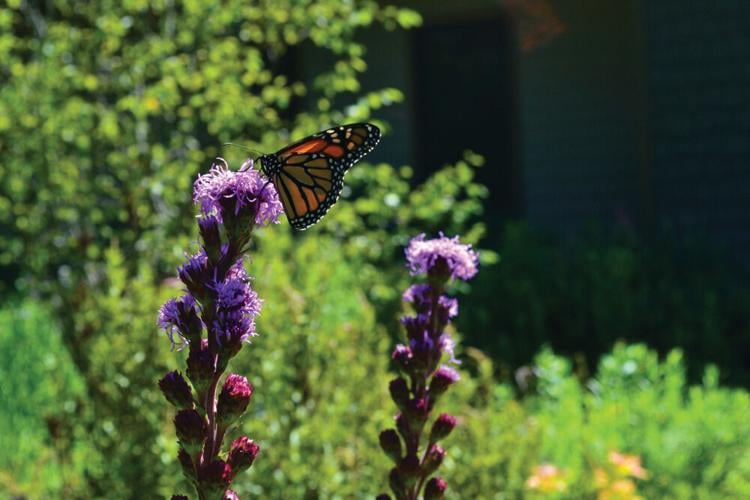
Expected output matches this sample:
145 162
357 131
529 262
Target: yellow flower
622 489
628 465
547 478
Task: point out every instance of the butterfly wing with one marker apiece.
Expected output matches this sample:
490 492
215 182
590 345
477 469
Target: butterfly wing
309 174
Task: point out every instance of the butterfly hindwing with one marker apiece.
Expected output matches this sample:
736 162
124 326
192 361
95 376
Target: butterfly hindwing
309 174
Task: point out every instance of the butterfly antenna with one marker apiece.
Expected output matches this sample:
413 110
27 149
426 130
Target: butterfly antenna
243 147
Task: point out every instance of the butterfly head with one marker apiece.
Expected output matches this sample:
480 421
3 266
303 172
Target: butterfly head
270 164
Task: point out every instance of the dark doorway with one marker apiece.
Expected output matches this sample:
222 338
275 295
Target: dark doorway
465 81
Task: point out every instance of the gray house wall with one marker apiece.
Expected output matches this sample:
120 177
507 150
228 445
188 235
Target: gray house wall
640 111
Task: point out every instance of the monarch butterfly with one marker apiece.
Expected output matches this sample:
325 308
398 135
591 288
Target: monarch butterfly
309 174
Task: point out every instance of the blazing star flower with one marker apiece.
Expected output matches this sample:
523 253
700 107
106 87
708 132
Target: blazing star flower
424 381
223 190
424 255
221 303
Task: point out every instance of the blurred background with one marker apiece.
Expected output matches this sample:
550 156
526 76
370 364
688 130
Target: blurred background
596 152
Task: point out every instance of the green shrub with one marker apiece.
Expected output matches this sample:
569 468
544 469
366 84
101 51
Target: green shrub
320 370
694 441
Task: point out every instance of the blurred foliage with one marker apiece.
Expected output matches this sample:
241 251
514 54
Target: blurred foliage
694 441
109 109
319 368
582 295
40 455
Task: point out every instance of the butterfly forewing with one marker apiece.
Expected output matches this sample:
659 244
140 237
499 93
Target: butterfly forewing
309 174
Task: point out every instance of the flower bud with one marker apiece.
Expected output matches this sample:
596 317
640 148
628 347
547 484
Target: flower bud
403 427
233 399
230 495
409 470
215 478
242 454
391 444
209 230
396 483
433 459
186 462
196 274
447 308
415 326
402 357
176 390
425 353
417 412
442 427
420 295
399 392
191 430
200 367
443 378
435 489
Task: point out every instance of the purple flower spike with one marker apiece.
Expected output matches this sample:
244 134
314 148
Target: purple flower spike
424 380
235 297
423 255
223 190
420 295
216 318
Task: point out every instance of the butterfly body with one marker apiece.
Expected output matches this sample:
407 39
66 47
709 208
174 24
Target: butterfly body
309 174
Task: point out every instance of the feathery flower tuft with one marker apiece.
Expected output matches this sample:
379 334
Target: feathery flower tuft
424 256
179 318
222 191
